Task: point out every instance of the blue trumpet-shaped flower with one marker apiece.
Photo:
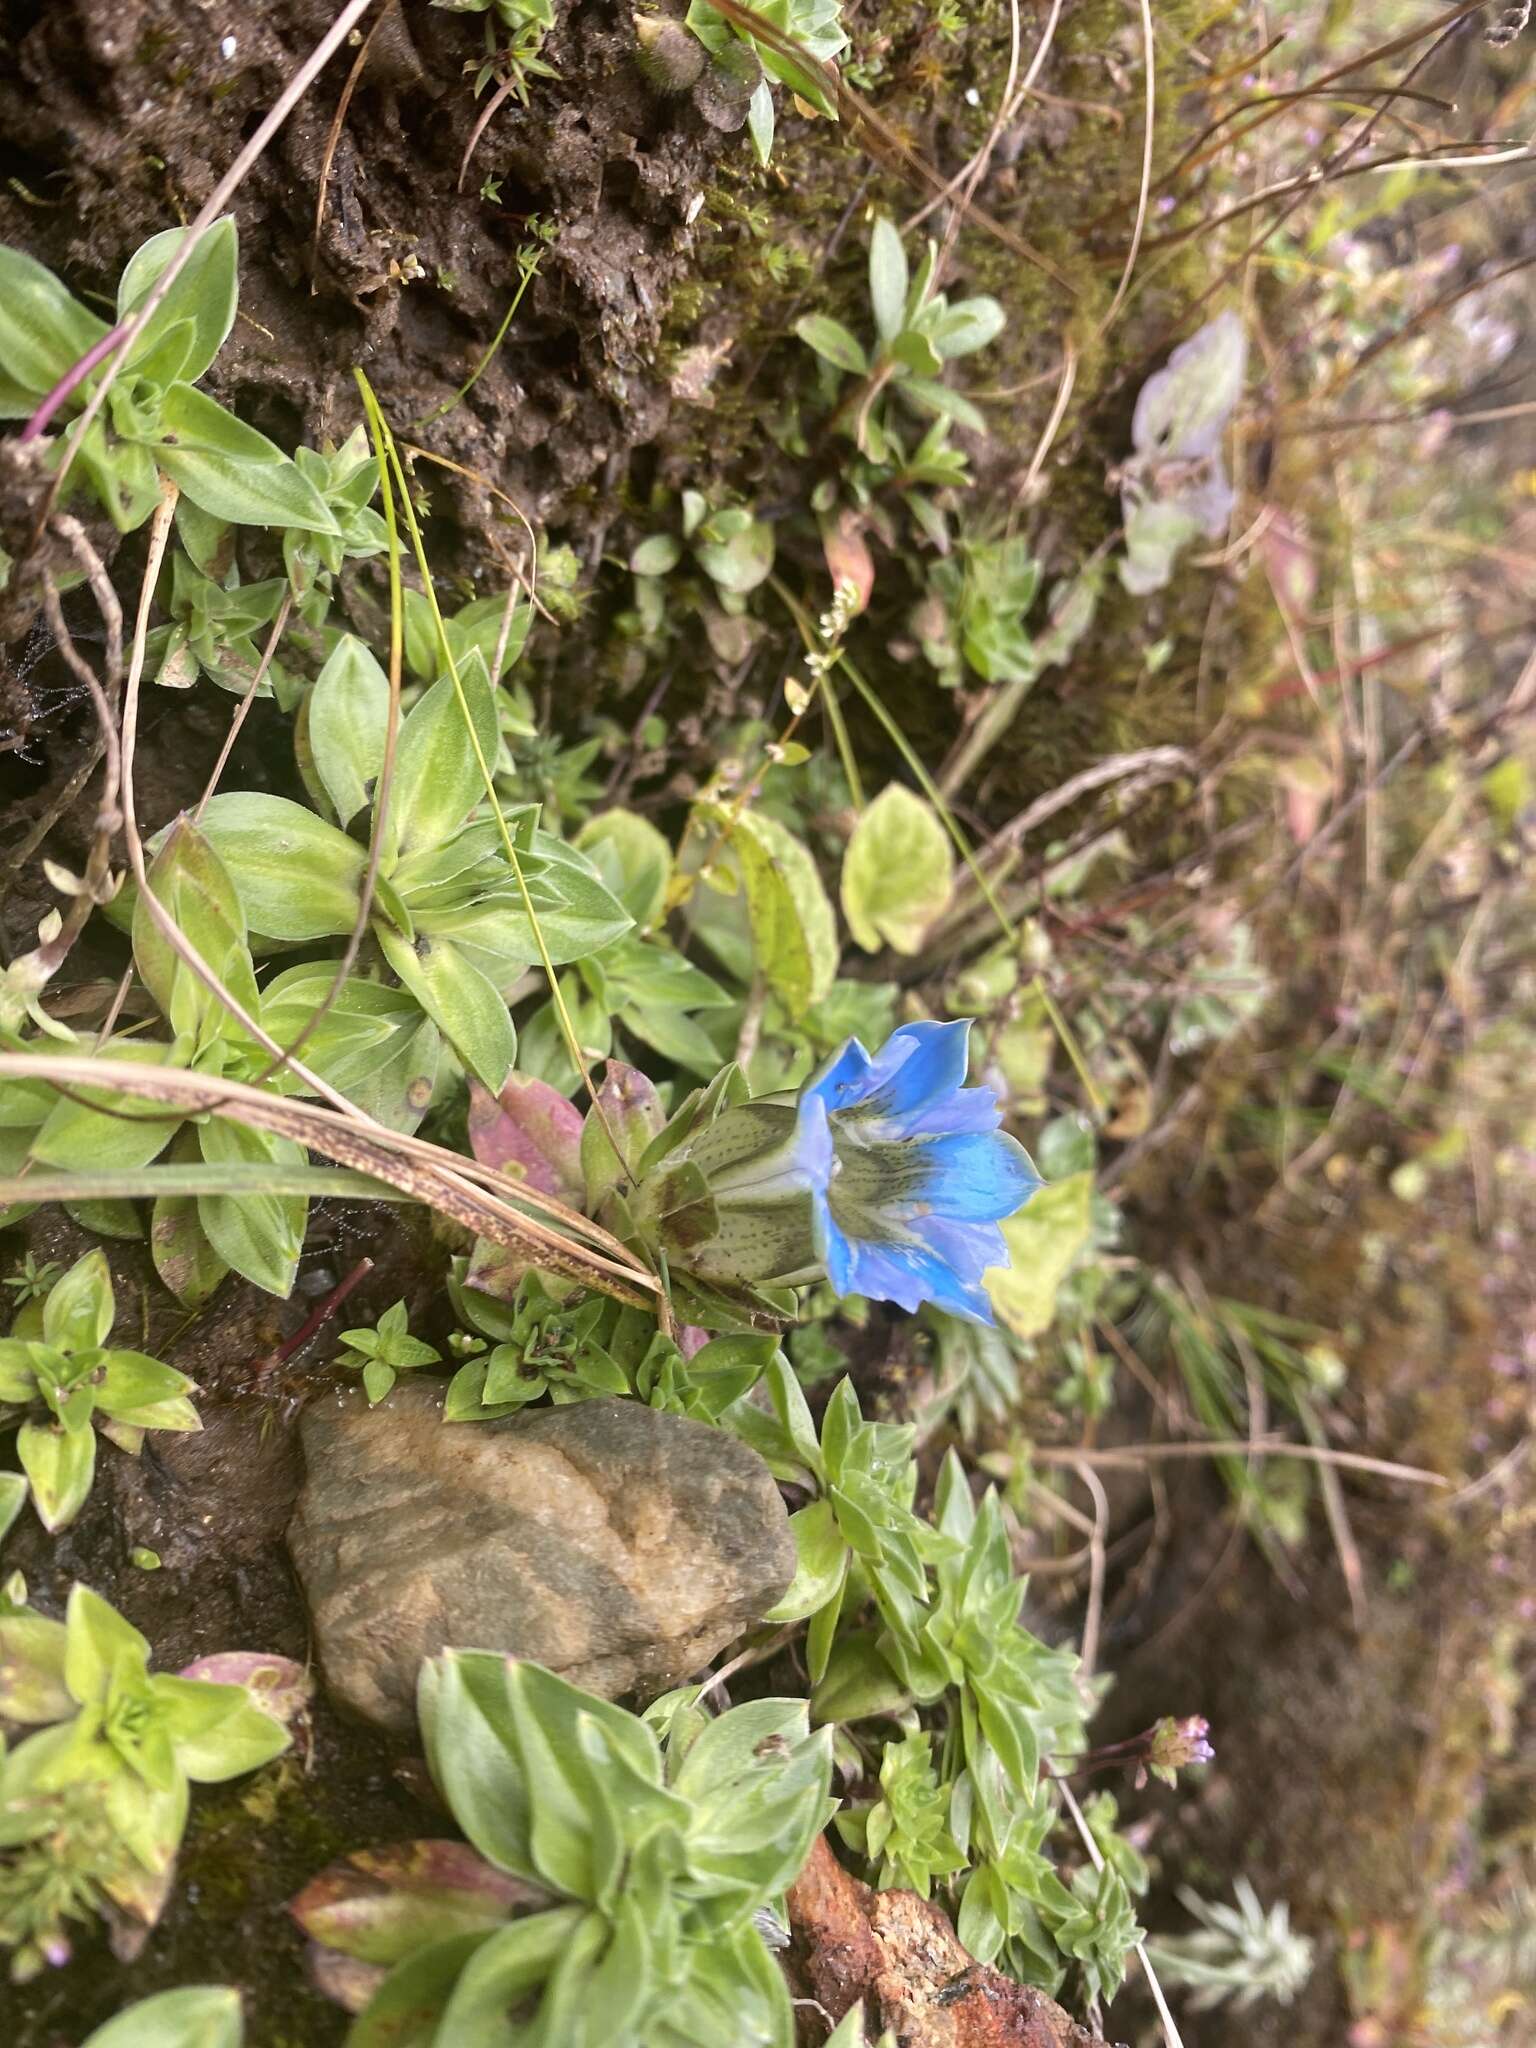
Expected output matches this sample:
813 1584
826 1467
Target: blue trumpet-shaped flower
910 1175
886 1174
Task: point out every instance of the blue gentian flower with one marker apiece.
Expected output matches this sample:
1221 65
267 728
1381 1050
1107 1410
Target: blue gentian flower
910 1175
885 1174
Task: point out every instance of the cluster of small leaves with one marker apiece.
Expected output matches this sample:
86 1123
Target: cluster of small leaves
383 1352
1238 1955
94 1802
910 1615
917 331
732 547
743 63
61 1382
516 59
155 419
195 1240
554 1340
621 1862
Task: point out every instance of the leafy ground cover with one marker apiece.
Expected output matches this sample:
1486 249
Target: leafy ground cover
821 718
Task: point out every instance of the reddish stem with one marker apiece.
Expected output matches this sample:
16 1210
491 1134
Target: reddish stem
321 1314
71 381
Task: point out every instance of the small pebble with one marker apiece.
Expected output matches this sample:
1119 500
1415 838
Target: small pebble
228 47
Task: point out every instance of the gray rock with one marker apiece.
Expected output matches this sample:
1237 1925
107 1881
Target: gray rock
619 1546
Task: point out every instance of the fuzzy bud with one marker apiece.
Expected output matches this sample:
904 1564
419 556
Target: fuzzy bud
671 60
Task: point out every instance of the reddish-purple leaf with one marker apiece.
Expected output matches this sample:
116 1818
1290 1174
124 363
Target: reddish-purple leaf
381 1905
343 1979
530 1130
848 557
279 1687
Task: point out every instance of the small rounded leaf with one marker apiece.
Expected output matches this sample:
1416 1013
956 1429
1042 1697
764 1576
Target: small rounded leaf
196 2016
898 872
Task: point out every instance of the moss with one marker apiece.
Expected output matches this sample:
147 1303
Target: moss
1075 171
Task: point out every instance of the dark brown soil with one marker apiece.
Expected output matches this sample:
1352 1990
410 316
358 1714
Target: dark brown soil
117 118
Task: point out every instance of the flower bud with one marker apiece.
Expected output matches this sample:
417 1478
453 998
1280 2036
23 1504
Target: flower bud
734 1203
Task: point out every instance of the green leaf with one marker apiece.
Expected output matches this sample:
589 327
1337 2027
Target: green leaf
143 1392
898 872
219 1732
437 778
122 475
915 354
888 279
739 562
44 331
577 917
346 717
259 1235
469 1010
13 1498
760 121
821 1563
78 1313
373 1043
656 555
61 1464
633 858
478 628
961 330
942 403
794 931
504 1974
184 1259
204 295
833 341
32 1651
100 1646
196 2016
858 1682
94 1127
378 1379
189 881
230 470
1043 1240
297 877
405 2010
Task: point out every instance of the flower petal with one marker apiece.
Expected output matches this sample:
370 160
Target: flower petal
917 1064
968 1109
813 1142
841 1078
832 1246
969 1249
909 1275
977 1177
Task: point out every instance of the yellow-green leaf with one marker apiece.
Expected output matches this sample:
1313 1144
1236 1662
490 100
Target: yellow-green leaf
898 872
794 932
1043 1238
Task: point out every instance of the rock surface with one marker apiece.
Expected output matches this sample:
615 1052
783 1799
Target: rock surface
618 1546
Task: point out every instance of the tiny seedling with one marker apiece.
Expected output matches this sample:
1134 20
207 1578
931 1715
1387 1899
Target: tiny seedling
62 1381
917 331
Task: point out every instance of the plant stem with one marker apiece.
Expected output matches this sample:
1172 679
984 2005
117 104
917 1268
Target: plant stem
322 1313
70 382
